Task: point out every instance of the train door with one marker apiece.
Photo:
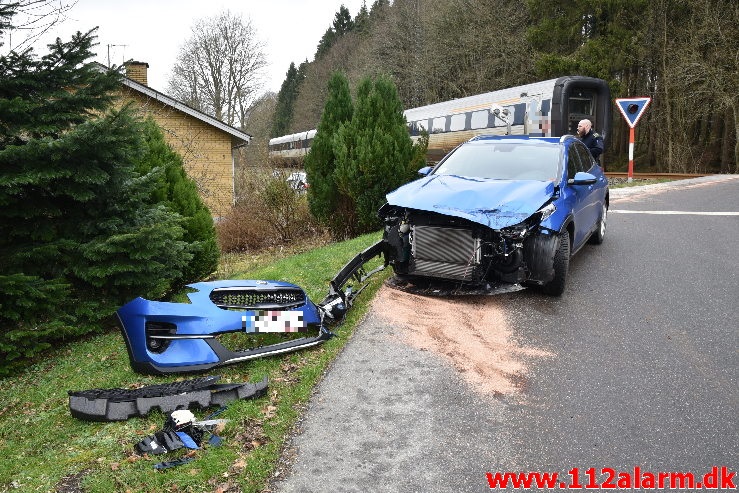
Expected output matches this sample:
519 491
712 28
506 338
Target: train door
581 105
576 98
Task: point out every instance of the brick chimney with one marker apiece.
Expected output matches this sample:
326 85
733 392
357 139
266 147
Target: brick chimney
137 71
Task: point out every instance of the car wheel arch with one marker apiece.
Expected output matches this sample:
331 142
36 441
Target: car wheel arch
568 227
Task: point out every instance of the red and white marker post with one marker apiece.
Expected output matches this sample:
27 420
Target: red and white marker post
632 109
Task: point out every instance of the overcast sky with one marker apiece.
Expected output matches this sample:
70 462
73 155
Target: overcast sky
152 31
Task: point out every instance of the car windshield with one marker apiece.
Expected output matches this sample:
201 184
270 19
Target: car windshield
503 161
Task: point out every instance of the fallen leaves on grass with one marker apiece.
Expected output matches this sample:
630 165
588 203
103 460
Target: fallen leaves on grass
252 435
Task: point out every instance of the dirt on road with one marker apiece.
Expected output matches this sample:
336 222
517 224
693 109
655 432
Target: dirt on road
470 333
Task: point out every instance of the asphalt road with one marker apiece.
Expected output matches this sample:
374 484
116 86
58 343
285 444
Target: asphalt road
635 365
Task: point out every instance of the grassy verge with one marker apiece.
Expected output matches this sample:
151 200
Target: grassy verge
623 183
45 449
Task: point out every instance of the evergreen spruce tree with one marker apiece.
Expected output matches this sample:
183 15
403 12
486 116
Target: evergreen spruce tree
326 203
341 25
374 153
179 192
362 20
587 38
286 100
343 22
326 42
79 233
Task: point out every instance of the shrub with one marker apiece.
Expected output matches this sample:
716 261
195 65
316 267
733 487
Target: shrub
374 153
85 225
269 213
327 204
179 192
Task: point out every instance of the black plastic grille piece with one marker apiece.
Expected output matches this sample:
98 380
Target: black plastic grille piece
247 298
158 390
121 404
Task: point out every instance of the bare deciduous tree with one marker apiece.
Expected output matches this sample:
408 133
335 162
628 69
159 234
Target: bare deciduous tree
219 68
32 19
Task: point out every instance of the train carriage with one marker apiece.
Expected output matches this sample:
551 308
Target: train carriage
549 108
291 147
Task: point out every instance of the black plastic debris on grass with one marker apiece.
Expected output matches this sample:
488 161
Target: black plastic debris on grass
121 404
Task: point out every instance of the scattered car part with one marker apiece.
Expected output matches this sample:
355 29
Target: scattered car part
164 338
338 300
180 430
181 418
160 442
209 424
173 463
121 404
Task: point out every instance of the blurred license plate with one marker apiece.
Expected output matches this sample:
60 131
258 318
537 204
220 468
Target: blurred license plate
275 321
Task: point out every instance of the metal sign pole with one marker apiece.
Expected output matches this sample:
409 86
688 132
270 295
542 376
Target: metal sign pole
632 109
631 156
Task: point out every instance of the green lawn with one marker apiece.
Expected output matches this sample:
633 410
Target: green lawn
45 449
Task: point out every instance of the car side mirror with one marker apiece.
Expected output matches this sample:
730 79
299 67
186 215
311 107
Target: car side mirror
582 178
425 170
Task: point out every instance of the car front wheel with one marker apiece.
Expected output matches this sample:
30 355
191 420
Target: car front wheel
556 286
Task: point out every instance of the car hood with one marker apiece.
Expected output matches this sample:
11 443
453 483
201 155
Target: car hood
492 203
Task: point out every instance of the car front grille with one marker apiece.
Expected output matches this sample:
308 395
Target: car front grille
251 298
449 253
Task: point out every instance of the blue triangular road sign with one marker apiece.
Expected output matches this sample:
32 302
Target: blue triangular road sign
632 108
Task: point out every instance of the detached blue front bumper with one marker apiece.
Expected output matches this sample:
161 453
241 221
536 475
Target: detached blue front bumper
164 337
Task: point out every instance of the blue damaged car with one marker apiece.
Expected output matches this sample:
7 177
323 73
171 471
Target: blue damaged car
498 209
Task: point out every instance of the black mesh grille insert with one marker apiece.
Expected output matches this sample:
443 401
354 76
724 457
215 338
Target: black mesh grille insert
452 245
449 253
247 298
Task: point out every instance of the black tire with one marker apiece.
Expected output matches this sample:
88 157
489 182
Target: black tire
600 233
556 286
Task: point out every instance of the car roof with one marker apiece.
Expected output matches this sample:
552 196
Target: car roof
522 139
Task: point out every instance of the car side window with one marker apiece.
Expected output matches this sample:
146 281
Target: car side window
585 157
573 162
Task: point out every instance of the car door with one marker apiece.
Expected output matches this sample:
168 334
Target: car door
580 196
597 190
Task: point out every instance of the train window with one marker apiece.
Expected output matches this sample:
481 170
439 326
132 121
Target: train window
438 125
415 128
479 119
457 122
581 102
581 105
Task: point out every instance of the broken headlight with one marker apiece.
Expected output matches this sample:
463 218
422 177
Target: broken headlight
521 230
515 232
547 211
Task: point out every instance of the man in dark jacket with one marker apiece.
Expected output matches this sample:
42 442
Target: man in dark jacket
591 139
